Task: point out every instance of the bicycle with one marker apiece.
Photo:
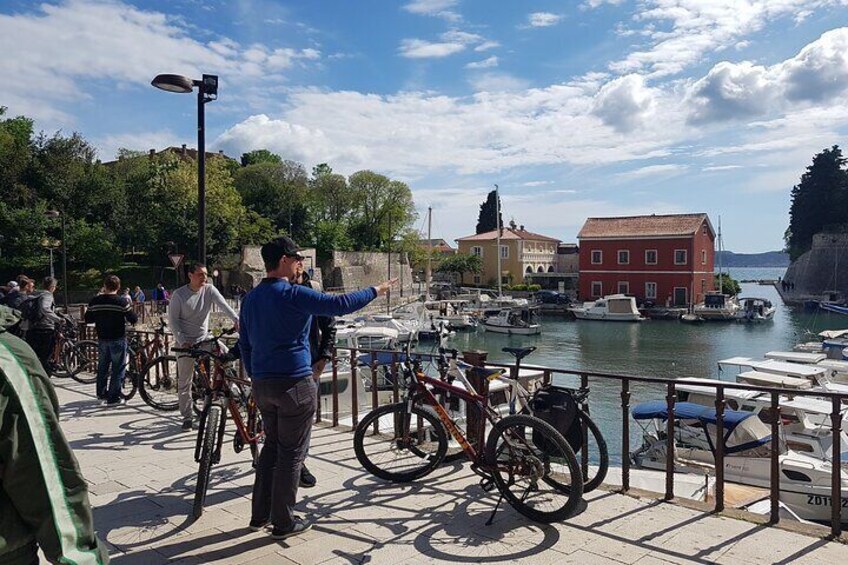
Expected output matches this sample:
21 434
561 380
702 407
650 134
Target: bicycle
521 452
66 336
222 388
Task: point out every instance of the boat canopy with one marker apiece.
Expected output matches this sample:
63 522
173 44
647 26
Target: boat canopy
796 357
708 388
777 367
760 378
833 334
742 430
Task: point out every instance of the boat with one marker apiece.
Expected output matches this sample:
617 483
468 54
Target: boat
830 300
832 343
514 321
805 481
452 313
754 310
838 368
770 372
610 308
717 307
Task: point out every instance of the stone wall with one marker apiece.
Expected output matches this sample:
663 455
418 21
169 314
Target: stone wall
251 269
824 267
351 270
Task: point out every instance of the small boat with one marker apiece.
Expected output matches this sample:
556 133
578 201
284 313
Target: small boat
690 318
804 480
717 307
755 310
611 308
514 321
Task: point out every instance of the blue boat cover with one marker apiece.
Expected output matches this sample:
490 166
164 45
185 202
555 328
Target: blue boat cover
382 358
659 409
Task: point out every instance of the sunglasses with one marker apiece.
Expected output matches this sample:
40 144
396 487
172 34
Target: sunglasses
296 256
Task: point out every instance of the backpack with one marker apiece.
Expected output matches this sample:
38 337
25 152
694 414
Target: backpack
558 408
31 311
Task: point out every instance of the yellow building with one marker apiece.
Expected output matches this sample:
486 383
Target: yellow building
521 252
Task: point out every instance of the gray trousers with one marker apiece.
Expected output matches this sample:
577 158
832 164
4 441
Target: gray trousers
287 407
185 374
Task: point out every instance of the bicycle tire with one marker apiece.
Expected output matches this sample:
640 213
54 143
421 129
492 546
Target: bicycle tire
598 451
527 463
129 384
157 384
61 371
81 361
209 429
420 454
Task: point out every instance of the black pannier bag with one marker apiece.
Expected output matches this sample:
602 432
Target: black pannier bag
557 407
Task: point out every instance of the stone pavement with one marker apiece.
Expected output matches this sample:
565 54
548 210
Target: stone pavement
141 470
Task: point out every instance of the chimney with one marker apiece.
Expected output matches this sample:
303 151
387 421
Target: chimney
183 150
521 228
152 153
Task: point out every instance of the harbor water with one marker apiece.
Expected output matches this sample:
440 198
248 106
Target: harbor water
656 348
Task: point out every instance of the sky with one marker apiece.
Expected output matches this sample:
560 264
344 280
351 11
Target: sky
576 109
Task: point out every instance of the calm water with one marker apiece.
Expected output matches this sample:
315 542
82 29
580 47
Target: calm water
658 348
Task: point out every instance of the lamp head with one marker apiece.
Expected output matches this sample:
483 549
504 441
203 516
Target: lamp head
173 83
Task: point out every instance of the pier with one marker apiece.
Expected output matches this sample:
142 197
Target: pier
141 474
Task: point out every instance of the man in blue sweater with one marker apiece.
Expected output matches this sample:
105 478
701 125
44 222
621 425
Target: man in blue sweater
274 327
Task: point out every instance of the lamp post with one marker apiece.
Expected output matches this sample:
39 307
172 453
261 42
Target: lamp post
207 91
53 214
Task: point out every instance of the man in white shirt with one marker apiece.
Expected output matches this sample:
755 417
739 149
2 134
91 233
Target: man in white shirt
188 316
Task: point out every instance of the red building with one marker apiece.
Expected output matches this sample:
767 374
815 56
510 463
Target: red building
666 259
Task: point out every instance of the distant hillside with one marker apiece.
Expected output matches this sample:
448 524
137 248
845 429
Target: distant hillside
767 259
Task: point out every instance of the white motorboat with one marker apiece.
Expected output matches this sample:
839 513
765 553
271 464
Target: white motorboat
717 307
805 481
833 343
611 308
838 369
769 372
452 313
514 321
755 310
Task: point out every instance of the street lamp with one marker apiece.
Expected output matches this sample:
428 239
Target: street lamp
207 91
53 214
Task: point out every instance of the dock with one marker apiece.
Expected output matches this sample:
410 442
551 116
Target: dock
141 473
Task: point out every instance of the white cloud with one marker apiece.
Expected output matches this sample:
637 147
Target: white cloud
484 64
59 46
591 4
537 183
498 82
486 45
719 168
436 8
453 41
543 19
653 171
625 103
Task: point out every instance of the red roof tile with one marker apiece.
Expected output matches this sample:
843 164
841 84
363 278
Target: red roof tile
644 226
508 233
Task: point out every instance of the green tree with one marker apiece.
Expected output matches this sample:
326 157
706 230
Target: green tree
727 285
279 193
15 156
460 264
384 209
490 218
260 156
819 200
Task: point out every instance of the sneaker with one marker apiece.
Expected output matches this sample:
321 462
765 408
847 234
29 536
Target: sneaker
188 423
257 525
307 479
119 402
299 526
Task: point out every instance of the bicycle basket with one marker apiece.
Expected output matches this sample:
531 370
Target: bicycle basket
558 408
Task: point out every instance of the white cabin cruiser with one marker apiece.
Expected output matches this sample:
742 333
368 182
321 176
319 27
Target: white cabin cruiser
838 369
781 374
717 307
611 308
755 310
514 321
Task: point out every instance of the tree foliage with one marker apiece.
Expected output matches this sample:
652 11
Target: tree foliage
260 156
819 201
460 264
727 285
490 218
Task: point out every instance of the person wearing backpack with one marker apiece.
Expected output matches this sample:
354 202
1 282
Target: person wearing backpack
38 320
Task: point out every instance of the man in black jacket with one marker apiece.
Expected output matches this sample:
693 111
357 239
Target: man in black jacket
109 314
322 339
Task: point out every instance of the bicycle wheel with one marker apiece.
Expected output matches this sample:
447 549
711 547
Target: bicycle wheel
59 368
81 361
406 447
129 384
598 454
534 468
158 383
209 430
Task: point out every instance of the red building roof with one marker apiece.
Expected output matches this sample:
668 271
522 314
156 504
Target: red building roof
508 233
667 225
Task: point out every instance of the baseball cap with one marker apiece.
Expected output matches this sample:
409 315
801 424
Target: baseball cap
12 284
275 249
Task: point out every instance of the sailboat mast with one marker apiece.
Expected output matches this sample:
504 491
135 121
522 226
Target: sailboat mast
429 272
498 228
720 285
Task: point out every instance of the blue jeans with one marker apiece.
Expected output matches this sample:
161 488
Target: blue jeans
112 352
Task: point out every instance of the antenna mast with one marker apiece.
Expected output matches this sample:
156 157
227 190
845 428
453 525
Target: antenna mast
498 228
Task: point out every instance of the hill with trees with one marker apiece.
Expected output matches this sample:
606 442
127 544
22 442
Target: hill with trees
767 259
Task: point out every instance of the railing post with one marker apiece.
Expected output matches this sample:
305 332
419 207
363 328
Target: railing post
395 384
354 403
719 457
335 362
836 478
669 456
774 476
375 399
318 398
625 435
546 377
584 457
481 387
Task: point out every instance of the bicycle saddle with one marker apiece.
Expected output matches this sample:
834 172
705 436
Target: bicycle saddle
519 352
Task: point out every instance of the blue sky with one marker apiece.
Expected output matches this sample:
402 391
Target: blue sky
575 109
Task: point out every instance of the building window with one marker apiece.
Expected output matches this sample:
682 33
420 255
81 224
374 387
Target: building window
504 252
623 287
650 256
597 257
679 256
703 286
703 257
478 251
704 229
623 257
550 268
476 279
597 288
529 269
541 269
651 290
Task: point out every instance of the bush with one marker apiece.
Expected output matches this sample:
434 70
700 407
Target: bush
518 287
534 287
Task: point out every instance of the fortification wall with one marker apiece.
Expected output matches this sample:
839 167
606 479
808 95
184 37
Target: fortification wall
823 268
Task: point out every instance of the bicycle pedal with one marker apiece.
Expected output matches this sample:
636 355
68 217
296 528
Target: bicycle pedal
488 485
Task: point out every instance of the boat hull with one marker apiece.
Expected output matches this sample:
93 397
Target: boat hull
513 330
607 317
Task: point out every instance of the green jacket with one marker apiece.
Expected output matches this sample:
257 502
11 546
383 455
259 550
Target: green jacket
43 496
